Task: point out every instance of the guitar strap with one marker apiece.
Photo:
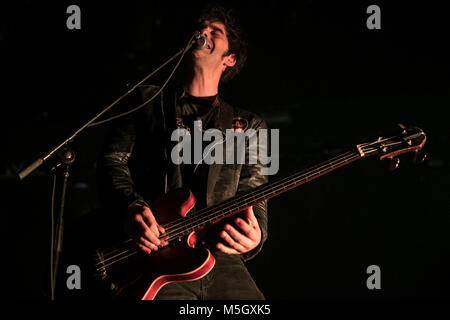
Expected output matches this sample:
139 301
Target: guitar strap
171 122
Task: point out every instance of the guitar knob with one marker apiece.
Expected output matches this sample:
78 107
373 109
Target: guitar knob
419 157
393 164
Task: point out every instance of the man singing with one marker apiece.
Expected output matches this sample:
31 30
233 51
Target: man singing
135 168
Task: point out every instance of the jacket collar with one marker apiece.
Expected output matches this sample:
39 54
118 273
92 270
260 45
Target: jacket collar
223 117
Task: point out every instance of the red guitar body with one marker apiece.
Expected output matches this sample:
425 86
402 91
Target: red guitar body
143 276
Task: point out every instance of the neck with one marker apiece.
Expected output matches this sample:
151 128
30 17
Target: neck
264 192
201 82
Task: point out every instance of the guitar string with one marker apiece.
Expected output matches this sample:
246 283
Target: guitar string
170 226
355 156
253 191
182 221
121 257
169 229
215 213
264 188
244 200
113 249
207 218
336 158
196 218
134 251
173 234
243 203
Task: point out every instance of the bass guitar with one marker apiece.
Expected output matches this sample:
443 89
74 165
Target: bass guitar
129 273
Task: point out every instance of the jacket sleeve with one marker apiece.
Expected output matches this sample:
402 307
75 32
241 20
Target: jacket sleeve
250 178
116 186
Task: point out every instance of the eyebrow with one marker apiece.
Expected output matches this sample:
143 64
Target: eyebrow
215 28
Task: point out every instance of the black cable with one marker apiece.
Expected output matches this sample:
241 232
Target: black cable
182 52
37 163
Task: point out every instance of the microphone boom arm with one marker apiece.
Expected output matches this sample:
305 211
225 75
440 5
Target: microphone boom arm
38 162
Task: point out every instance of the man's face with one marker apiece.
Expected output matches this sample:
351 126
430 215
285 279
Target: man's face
215 55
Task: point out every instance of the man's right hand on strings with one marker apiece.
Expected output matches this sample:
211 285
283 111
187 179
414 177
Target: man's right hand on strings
141 225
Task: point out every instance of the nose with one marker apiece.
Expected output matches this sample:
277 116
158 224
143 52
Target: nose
204 30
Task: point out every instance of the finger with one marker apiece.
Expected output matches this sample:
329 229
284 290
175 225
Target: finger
231 242
151 237
164 241
252 232
244 226
144 248
149 221
139 227
226 249
139 220
239 238
161 229
250 215
164 238
155 230
148 216
144 242
152 224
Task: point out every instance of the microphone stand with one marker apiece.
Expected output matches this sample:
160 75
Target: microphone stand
67 157
38 162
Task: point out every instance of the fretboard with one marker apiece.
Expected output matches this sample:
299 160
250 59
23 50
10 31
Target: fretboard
266 191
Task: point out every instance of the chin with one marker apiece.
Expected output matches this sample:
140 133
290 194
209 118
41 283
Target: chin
199 53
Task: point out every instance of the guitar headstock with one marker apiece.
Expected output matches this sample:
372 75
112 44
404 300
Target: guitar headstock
409 139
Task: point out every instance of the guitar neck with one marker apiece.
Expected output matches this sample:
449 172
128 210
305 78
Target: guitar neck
411 139
266 191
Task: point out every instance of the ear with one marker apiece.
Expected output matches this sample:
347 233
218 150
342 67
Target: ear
230 60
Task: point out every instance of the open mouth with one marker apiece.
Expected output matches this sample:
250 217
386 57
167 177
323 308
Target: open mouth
209 46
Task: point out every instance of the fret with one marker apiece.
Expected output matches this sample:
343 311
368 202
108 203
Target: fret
266 191
410 140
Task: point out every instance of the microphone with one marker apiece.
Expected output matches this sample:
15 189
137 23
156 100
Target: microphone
200 41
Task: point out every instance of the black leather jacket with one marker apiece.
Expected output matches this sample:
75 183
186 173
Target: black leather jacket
135 163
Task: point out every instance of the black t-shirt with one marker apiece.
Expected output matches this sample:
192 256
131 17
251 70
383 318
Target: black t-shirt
190 109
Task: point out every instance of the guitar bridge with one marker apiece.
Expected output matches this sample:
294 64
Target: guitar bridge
100 265
102 275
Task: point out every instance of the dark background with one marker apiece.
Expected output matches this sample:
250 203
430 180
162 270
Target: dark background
314 71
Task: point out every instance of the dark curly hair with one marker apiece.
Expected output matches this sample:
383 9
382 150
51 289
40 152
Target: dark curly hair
237 40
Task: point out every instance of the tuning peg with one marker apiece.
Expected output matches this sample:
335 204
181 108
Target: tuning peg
393 163
402 127
419 157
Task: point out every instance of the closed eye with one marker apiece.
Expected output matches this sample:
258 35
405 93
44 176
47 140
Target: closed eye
217 30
